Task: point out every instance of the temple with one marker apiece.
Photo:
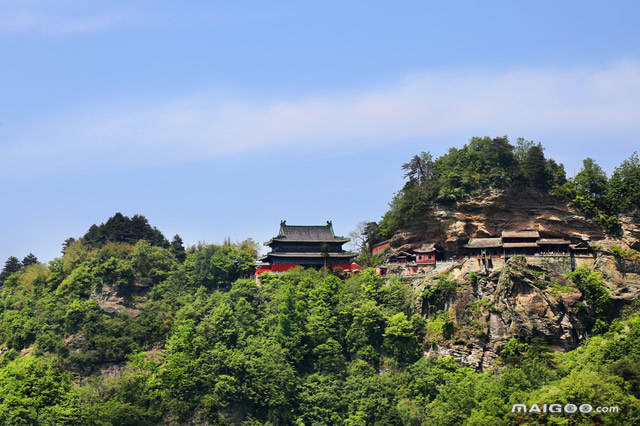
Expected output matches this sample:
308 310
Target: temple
526 242
307 246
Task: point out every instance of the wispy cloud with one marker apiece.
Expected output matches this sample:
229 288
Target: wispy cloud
525 101
53 18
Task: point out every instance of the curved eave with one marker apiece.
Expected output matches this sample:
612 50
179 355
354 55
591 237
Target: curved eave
330 255
286 240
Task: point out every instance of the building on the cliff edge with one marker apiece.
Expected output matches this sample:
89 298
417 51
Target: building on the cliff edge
380 247
520 243
307 246
484 246
412 261
526 242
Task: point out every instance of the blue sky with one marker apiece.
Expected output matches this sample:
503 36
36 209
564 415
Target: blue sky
218 120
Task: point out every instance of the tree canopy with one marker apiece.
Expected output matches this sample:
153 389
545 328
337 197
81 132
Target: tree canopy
122 229
494 163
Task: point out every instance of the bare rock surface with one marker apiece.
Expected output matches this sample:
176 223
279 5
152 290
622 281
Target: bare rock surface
491 213
520 300
112 299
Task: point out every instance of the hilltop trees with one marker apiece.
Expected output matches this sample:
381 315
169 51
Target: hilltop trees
535 167
11 266
419 168
122 229
493 163
29 259
482 164
623 188
177 248
604 198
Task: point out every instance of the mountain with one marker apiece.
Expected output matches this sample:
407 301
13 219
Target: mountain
127 328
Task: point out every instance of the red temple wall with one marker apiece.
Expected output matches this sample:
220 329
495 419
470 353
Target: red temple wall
380 248
283 267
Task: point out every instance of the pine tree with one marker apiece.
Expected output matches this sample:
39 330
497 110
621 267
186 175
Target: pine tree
535 167
177 248
66 244
11 266
29 259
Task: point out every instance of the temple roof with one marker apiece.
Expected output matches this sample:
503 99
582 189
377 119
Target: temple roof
582 245
426 248
521 234
553 241
307 233
308 254
520 245
484 243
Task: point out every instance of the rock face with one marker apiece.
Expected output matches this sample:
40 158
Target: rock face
631 229
495 211
520 300
622 278
112 299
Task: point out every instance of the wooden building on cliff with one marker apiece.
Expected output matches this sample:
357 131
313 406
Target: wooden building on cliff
484 246
380 247
526 242
307 246
520 242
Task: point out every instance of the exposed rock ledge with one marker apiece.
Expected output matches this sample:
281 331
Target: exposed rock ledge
519 300
495 211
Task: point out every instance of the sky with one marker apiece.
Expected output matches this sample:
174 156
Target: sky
219 119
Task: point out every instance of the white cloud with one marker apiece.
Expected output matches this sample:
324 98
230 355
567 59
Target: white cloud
55 18
516 102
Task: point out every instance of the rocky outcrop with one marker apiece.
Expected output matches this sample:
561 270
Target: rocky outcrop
620 277
517 299
495 211
631 229
113 299
520 300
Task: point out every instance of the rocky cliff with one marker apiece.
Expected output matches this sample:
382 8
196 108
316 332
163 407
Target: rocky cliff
495 211
520 300
524 298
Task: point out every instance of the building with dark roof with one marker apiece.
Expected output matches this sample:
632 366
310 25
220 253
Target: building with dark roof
526 242
307 246
554 245
520 242
488 246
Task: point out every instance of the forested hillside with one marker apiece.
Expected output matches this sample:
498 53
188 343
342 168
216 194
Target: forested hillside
128 328
306 347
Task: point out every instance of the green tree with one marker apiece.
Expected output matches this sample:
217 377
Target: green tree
521 149
591 186
535 167
403 337
29 259
591 284
419 168
66 244
36 390
624 185
11 266
122 229
177 248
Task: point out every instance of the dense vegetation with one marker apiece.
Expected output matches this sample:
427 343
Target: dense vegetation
122 229
486 163
129 328
198 340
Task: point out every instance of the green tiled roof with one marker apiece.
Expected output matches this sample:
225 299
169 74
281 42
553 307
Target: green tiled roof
315 254
307 233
